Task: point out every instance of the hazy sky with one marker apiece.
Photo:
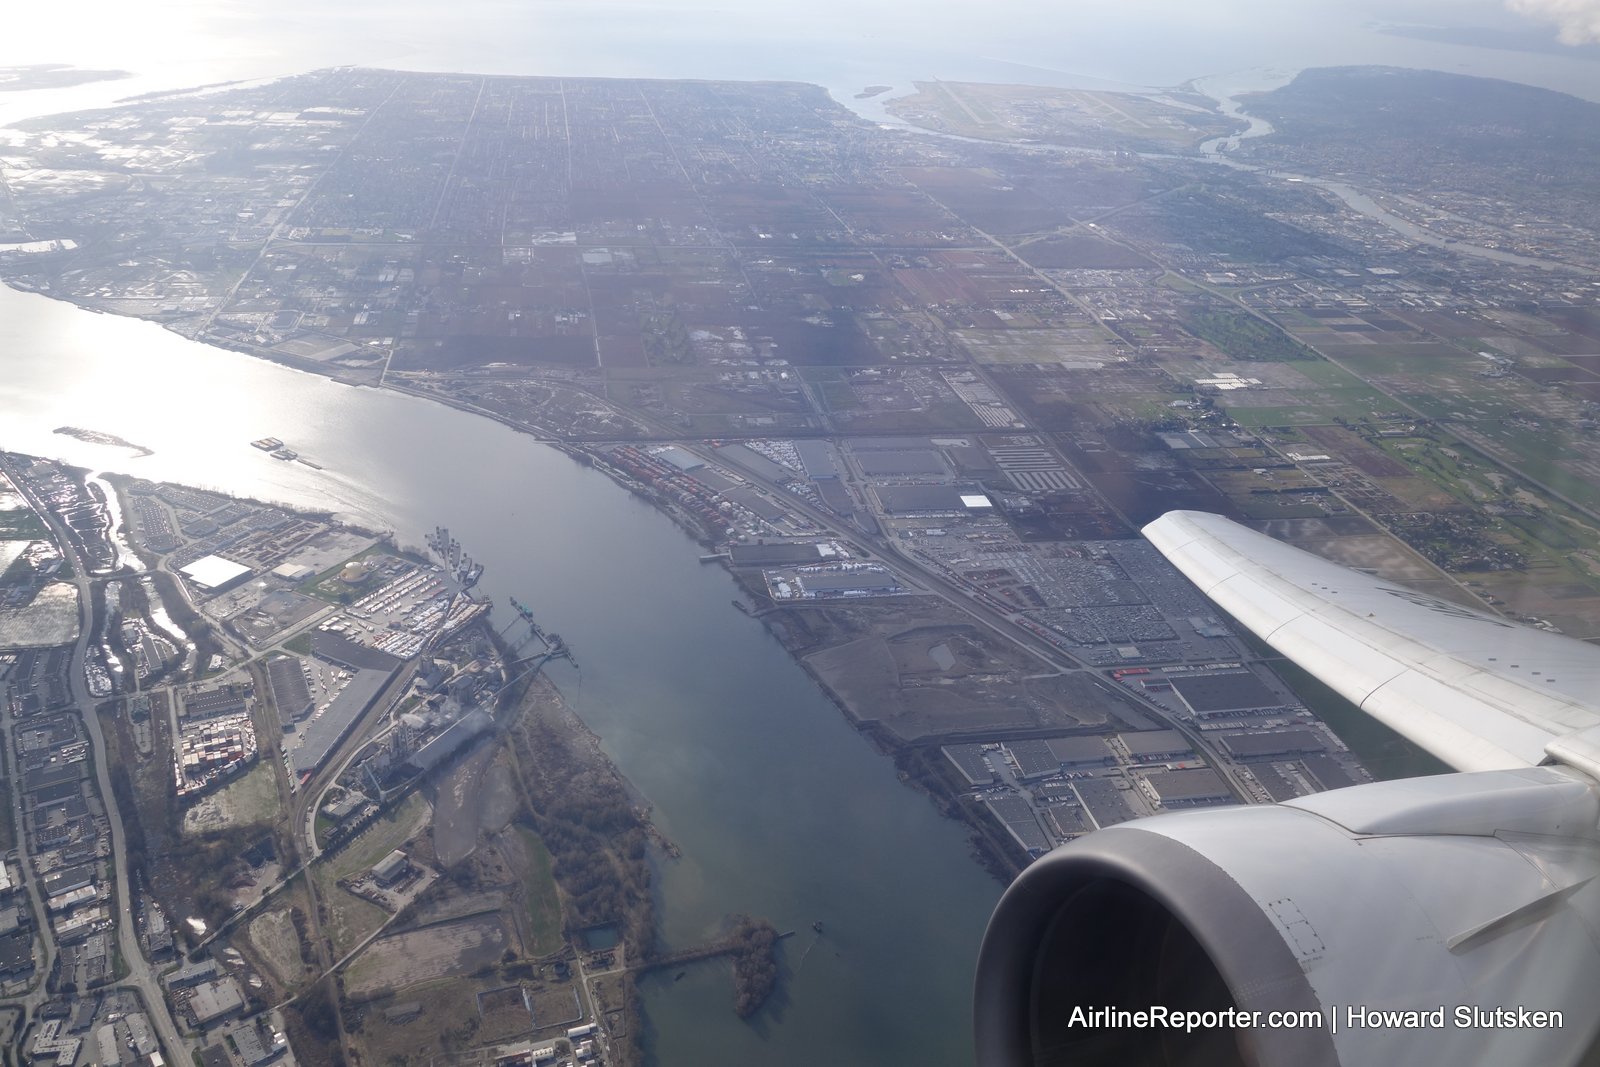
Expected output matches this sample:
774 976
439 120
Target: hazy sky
1114 43
100 29
1578 20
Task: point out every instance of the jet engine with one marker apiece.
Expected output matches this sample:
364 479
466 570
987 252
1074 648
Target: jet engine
1450 920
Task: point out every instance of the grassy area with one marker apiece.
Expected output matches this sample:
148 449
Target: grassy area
544 900
252 798
1245 336
448 1023
349 919
1270 416
326 586
389 832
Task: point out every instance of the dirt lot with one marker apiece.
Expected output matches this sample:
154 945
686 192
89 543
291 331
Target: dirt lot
447 950
919 668
478 796
250 799
277 946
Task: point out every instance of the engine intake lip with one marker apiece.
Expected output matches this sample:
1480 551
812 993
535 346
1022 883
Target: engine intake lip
1242 943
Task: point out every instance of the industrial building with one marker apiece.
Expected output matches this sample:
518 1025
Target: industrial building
930 499
319 735
1017 816
1329 772
969 761
1073 752
1051 756
680 458
816 459
293 572
214 703
1187 788
1221 694
286 677
215 1000
1156 746
829 580
902 462
783 554
469 726
389 870
1271 745
865 578
213 574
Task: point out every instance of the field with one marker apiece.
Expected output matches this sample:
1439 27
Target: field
248 800
272 940
389 832
881 662
544 900
347 919
447 950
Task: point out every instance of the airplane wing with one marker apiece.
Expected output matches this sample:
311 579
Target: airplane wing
1475 690
1445 919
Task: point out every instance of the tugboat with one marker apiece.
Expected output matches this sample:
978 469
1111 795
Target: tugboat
285 454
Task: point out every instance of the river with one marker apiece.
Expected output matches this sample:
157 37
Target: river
779 807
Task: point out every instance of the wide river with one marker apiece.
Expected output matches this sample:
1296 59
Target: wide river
780 808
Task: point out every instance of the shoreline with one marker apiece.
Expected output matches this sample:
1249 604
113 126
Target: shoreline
987 845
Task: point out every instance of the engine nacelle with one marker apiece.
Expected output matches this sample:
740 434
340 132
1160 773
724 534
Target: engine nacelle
1468 899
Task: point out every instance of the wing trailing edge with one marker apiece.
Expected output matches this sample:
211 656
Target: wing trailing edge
1479 692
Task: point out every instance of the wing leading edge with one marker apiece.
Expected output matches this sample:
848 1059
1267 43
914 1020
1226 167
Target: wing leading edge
1477 691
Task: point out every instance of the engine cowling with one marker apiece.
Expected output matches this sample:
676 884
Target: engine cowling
1282 935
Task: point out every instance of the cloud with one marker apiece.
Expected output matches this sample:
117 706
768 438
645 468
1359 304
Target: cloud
1579 20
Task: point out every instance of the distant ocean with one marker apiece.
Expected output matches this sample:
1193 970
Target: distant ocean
839 44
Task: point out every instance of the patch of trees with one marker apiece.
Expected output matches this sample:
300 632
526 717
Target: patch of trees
132 824
302 932
755 963
595 836
319 1010
210 862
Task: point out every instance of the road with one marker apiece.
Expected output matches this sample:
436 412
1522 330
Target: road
141 975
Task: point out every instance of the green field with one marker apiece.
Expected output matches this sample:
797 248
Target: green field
1245 336
544 901
389 832
327 586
